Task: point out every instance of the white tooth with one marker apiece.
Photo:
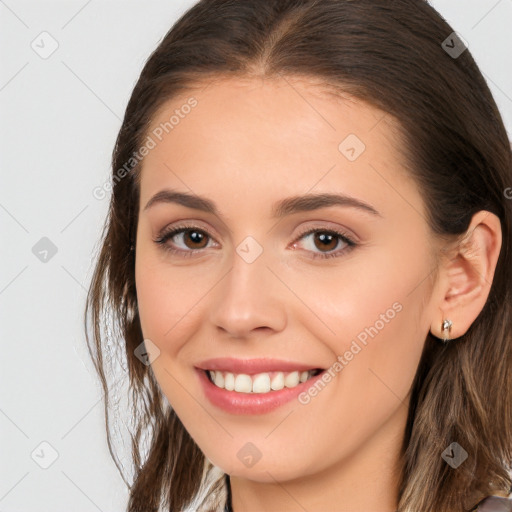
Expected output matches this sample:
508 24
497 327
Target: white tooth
277 382
291 380
261 383
229 381
243 383
219 379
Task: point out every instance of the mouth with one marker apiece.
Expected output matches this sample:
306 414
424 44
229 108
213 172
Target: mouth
259 383
255 386
255 392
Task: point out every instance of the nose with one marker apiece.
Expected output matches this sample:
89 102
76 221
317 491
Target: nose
248 298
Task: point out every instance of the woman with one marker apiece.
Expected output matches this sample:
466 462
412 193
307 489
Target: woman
307 264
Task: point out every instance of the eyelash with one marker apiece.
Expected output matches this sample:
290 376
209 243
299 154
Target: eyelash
163 236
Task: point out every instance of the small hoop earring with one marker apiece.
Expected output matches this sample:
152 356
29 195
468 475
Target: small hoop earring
446 328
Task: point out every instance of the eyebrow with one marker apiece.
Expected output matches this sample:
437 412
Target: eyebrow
287 206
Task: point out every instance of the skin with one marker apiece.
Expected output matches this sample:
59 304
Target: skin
247 144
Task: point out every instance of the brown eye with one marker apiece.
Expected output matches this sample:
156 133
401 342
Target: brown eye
187 241
183 240
326 240
195 238
324 243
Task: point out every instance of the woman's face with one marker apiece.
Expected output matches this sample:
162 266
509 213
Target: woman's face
265 276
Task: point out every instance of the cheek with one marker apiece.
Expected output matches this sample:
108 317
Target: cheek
374 294
153 301
167 297
371 314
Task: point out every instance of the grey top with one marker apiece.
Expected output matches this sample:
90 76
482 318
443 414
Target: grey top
495 504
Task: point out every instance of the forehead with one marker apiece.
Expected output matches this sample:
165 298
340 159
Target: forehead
306 108
290 134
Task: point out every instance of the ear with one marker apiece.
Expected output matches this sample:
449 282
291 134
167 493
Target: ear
466 275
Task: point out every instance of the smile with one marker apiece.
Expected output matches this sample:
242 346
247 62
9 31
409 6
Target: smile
265 382
254 386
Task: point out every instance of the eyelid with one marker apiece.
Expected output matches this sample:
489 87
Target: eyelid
180 227
322 225
185 224
349 241
167 232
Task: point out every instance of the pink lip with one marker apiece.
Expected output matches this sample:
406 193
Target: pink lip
253 366
251 403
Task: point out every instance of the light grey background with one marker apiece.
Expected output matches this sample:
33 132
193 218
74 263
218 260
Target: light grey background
59 120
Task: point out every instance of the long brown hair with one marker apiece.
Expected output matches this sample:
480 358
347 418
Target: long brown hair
391 54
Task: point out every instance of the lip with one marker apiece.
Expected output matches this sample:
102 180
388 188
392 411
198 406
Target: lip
254 366
234 402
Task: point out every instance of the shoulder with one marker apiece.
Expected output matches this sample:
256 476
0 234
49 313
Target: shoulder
495 504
